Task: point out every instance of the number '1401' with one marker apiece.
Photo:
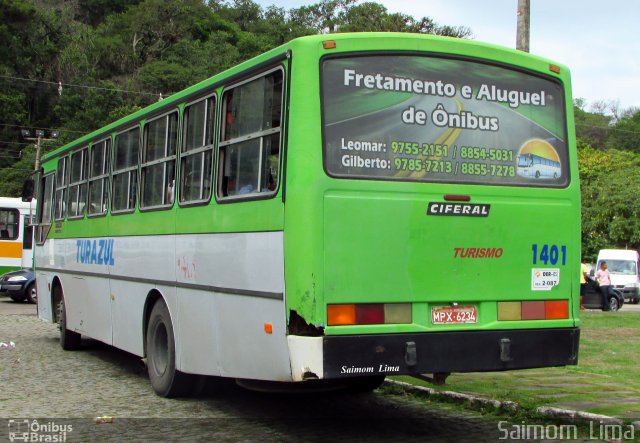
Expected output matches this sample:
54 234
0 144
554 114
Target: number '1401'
549 254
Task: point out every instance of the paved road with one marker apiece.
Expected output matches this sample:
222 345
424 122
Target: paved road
40 381
629 307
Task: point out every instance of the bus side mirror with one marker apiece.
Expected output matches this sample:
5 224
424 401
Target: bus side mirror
27 190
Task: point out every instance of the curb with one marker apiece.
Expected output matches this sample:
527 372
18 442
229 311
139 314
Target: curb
512 406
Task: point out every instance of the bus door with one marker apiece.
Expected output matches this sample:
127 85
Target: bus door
27 242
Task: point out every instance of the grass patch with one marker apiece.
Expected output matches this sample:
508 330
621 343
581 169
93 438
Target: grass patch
606 380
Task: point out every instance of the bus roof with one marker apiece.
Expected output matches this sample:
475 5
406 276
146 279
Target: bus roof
385 41
14 202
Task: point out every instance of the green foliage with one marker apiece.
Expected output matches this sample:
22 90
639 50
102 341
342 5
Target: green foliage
347 16
610 185
626 134
592 128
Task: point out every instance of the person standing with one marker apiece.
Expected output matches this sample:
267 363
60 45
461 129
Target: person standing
604 280
584 270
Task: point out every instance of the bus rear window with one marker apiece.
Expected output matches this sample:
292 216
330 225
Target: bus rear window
430 119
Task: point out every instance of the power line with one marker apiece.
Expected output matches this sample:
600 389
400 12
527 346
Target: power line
60 84
45 129
16 143
17 169
608 128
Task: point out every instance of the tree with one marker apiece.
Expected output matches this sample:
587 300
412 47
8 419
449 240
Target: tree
610 184
112 57
346 16
625 134
591 128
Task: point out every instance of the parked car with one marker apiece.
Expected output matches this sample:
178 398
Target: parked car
19 285
593 300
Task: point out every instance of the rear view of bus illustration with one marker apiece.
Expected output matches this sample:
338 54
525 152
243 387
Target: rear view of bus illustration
531 165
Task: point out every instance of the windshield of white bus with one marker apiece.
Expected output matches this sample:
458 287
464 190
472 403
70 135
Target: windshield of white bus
431 119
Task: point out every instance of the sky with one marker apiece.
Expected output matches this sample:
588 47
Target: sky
597 40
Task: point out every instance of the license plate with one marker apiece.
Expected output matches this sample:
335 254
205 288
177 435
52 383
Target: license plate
454 315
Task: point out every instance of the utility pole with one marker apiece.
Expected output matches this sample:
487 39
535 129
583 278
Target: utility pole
522 33
38 139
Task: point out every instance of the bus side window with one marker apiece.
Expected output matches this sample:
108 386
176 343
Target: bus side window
196 158
62 177
159 162
249 147
99 178
125 170
45 207
78 183
27 235
9 224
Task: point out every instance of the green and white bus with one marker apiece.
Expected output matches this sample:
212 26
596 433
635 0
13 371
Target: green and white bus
343 207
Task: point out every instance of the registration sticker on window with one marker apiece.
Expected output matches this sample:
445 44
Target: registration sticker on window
544 279
453 315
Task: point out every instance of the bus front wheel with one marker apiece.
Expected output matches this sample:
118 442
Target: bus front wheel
165 379
69 340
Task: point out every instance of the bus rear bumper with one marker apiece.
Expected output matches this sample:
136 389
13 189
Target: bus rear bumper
459 351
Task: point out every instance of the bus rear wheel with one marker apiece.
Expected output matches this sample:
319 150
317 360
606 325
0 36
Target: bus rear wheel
69 340
165 379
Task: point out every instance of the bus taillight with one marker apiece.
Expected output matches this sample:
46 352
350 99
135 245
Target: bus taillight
368 314
533 310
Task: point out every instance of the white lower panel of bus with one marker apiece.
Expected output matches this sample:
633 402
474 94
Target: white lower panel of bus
306 357
224 293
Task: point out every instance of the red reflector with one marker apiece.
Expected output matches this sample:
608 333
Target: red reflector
533 310
554 309
457 198
370 314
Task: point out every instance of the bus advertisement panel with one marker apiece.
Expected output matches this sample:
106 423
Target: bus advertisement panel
426 118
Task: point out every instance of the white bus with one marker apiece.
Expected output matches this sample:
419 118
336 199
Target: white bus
16 234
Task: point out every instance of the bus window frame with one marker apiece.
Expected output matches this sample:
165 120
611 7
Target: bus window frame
84 163
257 135
104 177
168 191
185 154
42 228
15 224
127 170
60 204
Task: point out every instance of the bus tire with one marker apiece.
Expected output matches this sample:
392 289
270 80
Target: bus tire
365 384
32 293
69 340
165 379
